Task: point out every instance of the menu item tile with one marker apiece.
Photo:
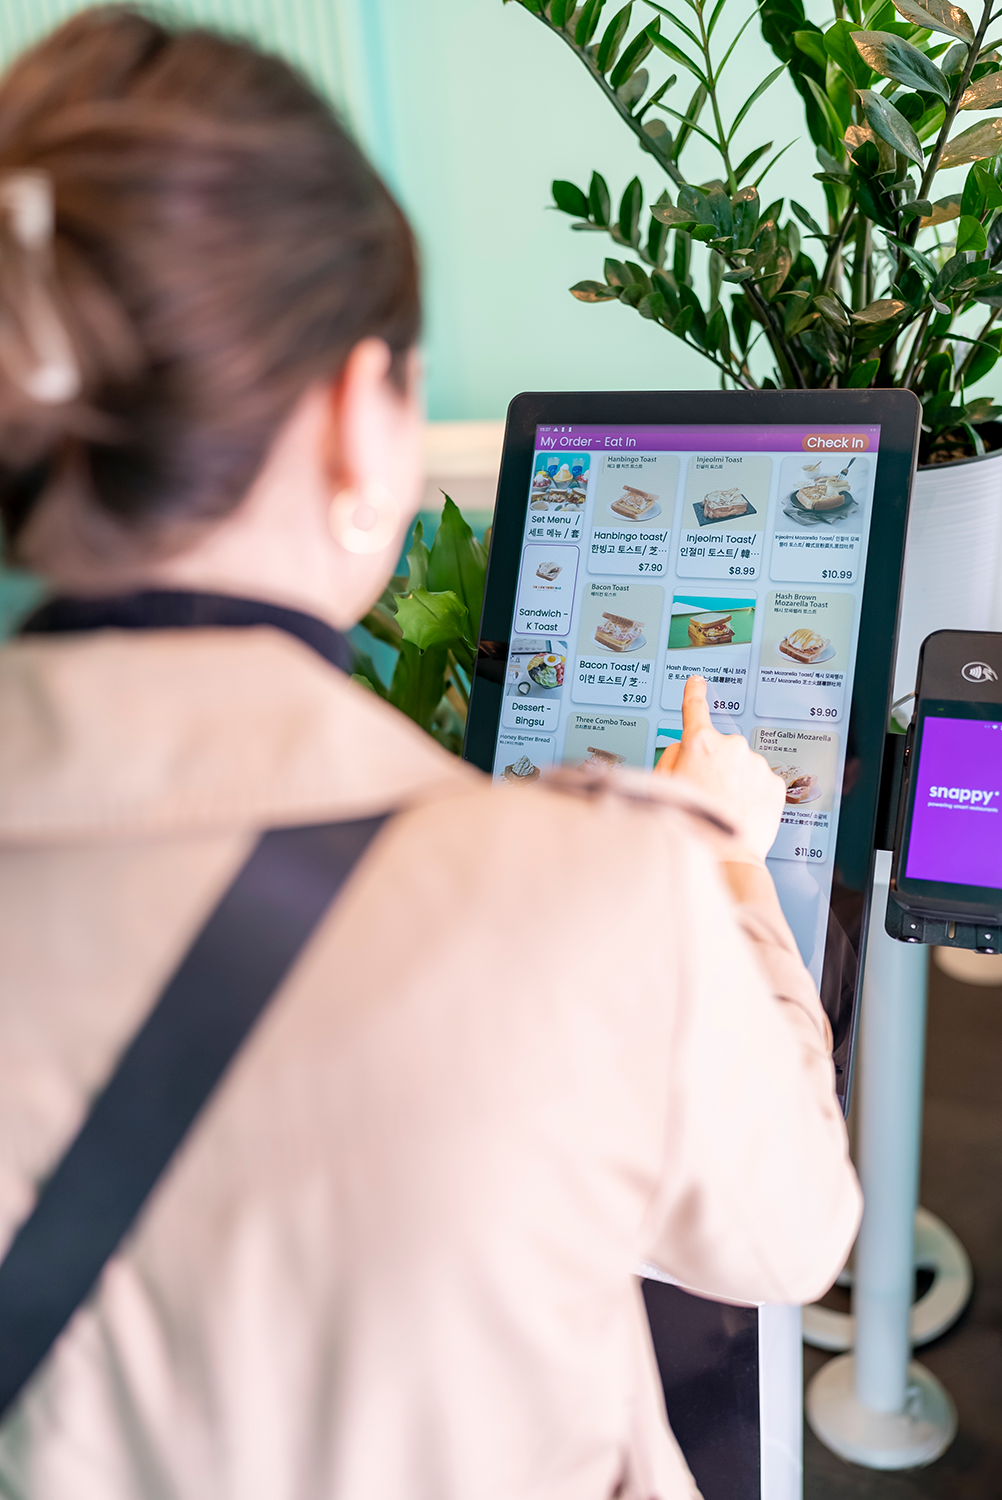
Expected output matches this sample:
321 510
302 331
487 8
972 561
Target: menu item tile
804 656
603 742
617 644
667 734
546 589
632 517
726 495
557 498
534 684
820 521
710 636
807 762
522 757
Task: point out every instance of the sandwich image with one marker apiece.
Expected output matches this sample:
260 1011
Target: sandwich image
601 760
804 645
521 772
719 504
823 494
573 498
800 785
541 480
634 504
548 571
710 630
616 632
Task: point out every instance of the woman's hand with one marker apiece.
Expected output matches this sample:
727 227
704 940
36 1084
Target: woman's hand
724 766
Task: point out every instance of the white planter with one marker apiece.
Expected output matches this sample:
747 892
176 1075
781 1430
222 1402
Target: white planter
953 557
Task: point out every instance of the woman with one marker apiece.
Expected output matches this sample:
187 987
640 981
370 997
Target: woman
395 1255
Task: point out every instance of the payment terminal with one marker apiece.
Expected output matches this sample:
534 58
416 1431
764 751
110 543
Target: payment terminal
756 539
946 875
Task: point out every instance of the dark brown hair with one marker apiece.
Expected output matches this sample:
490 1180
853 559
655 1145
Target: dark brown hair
220 242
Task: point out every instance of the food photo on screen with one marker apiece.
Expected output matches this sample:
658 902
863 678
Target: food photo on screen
956 825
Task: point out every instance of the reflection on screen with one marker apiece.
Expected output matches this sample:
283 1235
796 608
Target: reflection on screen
736 553
956 830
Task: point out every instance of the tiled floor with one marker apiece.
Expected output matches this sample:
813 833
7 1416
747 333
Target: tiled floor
962 1183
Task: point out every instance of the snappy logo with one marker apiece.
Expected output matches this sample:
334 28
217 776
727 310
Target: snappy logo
979 671
973 795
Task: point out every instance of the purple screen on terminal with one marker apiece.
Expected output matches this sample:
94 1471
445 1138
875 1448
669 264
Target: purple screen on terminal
956 832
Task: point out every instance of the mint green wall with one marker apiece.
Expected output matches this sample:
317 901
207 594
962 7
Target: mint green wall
471 108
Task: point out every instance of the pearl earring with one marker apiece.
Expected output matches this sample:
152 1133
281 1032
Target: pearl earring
364 521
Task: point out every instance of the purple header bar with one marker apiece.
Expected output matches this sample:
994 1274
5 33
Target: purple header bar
748 439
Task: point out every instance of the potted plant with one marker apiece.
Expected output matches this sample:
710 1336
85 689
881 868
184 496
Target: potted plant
898 286
430 617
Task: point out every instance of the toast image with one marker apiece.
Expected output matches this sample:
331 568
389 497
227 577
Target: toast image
617 633
634 504
710 630
801 786
804 645
719 504
548 571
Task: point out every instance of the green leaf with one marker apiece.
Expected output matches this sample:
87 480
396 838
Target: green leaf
612 37
937 15
985 94
587 22
971 234
828 111
629 212
458 562
419 682
634 89
383 625
634 55
881 311
943 210
433 619
894 58
599 201
983 359
744 167
812 44
975 144
919 208
832 309
594 291
891 125
842 49
981 192
677 55
659 135
570 199
559 12
753 97
667 213
807 221
745 274
417 559
861 375
364 672
719 206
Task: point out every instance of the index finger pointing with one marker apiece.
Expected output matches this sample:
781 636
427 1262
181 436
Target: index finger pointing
695 711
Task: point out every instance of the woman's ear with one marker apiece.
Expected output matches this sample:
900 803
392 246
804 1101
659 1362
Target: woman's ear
376 430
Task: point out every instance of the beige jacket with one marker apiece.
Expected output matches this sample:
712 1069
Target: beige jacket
536 1043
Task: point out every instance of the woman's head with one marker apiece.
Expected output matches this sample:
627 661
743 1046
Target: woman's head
220 248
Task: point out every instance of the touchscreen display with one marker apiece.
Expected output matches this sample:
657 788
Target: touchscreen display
738 553
956 826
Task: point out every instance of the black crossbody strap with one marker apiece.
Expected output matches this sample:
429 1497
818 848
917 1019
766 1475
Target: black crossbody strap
162 1081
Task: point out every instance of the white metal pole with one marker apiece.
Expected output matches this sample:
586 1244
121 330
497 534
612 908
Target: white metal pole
875 1407
892 1065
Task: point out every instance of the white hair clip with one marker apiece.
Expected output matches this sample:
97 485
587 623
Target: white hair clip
35 349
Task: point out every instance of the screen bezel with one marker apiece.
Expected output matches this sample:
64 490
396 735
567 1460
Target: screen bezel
949 895
898 415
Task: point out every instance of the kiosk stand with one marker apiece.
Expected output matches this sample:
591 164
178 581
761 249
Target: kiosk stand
876 1406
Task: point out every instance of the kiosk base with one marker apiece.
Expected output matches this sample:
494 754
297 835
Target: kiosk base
937 1250
907 1439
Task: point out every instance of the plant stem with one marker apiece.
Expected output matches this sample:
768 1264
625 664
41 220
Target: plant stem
860 263
971 351
911 368
832 263
610 93
711 89
932 166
